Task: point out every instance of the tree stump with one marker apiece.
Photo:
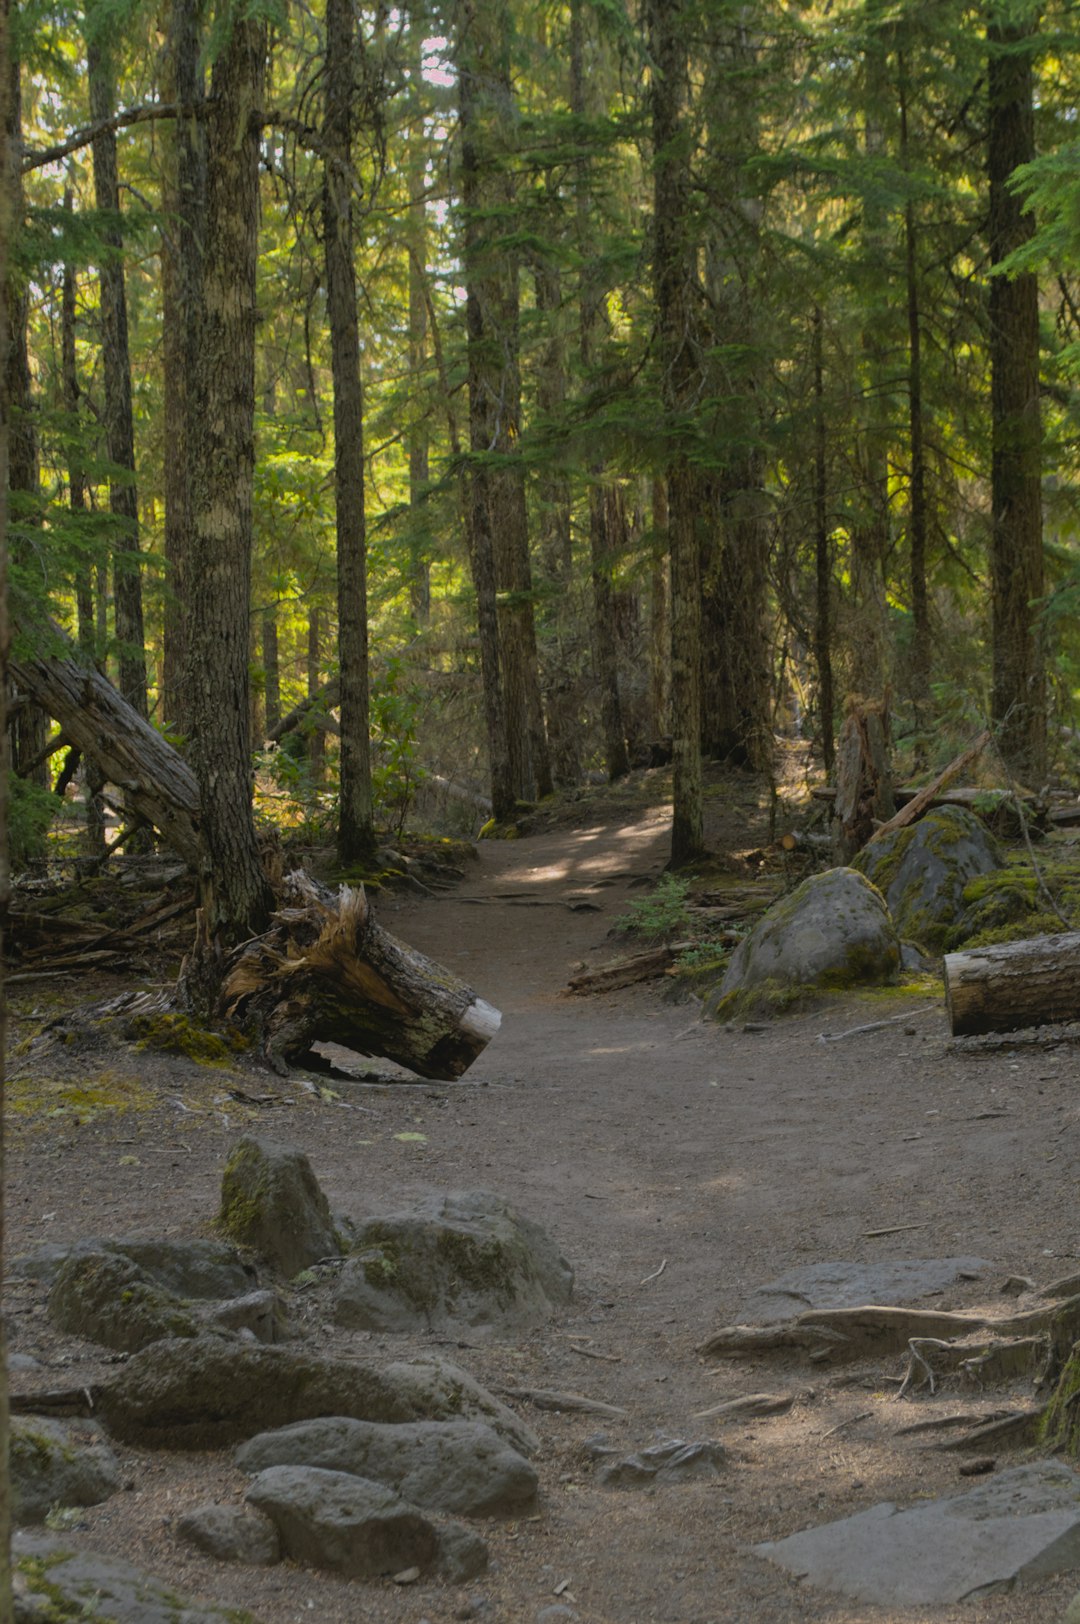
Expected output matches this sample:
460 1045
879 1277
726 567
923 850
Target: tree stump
864 793
326 972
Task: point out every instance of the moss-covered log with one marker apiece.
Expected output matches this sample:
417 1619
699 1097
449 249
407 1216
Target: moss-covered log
325 972
998 989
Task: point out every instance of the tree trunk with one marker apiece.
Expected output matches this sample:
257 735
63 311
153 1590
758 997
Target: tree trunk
659 618
502 572
116 367
29 725
822 559
184 206
607 542
1018 702
235 897
998 989
673 274
419 462
864 792
8 193
917 517
356 828
325 972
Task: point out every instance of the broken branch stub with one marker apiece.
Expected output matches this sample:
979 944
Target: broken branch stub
326 972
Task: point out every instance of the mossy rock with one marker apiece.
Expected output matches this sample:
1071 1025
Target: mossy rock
271 1201
54 1463
924 870
832 933
107 1298
463 1259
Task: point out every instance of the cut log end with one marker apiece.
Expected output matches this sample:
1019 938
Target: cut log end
1017 984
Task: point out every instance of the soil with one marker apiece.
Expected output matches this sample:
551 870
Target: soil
678 1164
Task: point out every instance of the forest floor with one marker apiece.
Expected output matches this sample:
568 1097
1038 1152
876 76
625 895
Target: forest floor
677 1164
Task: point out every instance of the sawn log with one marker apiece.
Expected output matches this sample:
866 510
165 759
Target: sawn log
998 989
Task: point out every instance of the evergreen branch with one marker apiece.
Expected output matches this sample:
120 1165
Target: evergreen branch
38 157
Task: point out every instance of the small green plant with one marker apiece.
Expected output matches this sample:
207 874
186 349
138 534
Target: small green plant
31 811
662 914
396 774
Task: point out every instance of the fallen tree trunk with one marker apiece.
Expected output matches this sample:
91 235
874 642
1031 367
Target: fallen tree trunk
998 989
325 972
157 782
922 801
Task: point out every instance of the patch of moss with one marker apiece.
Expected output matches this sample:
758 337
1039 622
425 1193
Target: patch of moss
171 1032
107 1092
1059 1428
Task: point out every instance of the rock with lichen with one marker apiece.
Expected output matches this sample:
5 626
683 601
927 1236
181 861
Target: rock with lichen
923 871
271 1201
58 1463
468 1258
833 932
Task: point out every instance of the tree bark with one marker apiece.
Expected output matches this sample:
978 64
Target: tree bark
822 559
998 989
184 206
502 571
1018 701
8 193
917 514
316 741
356 828
116 366
659 617
673 271
419 462
235 897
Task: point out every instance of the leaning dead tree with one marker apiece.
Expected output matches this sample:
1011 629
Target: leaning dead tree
323 972
157 782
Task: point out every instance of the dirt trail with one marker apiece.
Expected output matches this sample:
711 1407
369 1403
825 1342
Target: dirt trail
678 1165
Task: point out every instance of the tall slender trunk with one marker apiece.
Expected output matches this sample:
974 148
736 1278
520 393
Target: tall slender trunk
116 367
84 595
659 617
607 512
8 73
419 459
822 560
520 767
29 724
184 206
673 274
235 896
917 513
1019 684
356 828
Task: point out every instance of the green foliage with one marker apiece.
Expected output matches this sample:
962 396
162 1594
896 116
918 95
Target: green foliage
396 773
660 915
31 812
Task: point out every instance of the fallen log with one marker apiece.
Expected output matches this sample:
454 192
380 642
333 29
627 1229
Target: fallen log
998 989
326 972
624 972
919 803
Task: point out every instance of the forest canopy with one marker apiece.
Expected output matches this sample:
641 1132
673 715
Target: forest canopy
606 374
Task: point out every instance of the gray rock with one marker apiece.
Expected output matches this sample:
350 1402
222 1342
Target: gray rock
231 1534
833 931
23 1361
458 1467
211 1392
923 870
670 1462
197 1268
1020 1526
851 1285
83 1585
58 1463
271 1201
361 1529
261 1314
461 1259
106 1298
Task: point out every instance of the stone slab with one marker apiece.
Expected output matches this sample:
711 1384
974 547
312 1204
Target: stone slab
853 1285
1020 1526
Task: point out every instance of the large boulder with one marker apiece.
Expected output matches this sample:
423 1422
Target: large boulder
834 931
455 1260
231 1534
459 1467
57 1463
923 870
361 1529
272 1202
210 1392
